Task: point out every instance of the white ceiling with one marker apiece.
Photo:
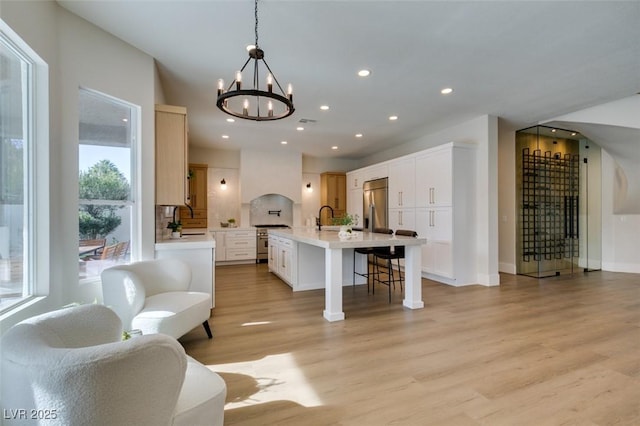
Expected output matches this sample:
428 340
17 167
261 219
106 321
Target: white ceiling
524 61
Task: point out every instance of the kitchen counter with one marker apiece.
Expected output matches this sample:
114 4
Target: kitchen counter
199 252
320 256
187 242
328 238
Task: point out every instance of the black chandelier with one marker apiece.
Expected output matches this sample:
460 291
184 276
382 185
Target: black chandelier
255 104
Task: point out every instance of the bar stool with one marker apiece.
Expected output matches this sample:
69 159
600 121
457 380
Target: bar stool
367 251
387 254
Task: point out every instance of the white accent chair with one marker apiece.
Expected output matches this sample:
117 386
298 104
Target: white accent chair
70 367
154 296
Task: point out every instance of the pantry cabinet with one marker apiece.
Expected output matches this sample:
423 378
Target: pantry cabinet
433 193
402 181
445 212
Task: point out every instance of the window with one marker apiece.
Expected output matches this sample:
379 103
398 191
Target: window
23 200
106 182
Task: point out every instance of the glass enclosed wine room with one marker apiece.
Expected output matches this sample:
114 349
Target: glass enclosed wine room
559 202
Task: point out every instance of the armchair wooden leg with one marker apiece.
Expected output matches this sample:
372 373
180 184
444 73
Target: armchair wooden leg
207 329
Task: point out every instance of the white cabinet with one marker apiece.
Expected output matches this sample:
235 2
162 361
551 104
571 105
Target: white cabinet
221 248
354 180
435 224
445 214
202 267
236 245
282 259
355 204
374 172
402 181
402 219
434 177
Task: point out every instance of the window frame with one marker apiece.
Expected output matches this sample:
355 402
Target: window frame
134 194
36 202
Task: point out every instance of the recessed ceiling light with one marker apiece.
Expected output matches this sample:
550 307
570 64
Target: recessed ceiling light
300 128
230 120
225 136
324 107
573 134
334 147
364 73
283 142
125 120
393 117
358 135
446 90
553 130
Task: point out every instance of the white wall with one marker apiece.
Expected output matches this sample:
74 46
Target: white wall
620 232
81 55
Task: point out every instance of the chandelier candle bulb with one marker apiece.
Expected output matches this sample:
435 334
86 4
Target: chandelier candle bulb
220 86
270 109
245 107
238 80
270 84
290 91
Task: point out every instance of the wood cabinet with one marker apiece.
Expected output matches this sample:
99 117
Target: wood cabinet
171 155
196 197
333 187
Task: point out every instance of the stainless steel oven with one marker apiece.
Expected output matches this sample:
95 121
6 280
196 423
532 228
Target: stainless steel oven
262 246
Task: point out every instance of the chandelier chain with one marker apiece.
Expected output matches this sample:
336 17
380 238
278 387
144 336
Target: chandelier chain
256 29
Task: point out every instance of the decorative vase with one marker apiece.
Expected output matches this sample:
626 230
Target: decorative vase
175 235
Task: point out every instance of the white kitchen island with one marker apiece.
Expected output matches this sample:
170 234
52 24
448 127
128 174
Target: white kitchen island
308 262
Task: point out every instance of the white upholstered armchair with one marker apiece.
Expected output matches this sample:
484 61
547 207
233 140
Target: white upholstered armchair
154 296
70 367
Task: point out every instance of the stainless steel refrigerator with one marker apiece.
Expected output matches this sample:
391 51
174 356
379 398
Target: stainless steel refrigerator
375 204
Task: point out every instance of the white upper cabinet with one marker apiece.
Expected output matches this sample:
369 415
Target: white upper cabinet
355 204
374 172
434 179
402 183
354 180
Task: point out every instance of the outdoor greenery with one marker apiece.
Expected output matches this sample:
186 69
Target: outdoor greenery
103 181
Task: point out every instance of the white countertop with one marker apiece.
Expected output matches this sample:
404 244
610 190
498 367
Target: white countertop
187 242
220 228
328 238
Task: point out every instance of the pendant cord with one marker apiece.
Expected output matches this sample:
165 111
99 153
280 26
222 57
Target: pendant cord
256 29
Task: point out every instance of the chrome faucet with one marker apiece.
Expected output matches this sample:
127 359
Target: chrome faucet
319 218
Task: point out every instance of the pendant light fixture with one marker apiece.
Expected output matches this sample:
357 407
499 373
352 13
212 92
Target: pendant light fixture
254 103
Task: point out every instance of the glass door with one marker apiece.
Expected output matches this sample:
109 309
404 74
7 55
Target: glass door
555 202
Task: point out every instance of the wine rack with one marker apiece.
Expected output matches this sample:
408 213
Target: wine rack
550 205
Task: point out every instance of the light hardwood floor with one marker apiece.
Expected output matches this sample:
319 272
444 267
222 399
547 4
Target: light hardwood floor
556 351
